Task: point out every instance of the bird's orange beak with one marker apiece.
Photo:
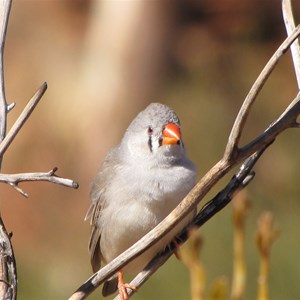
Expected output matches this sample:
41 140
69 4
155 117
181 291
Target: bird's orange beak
171 134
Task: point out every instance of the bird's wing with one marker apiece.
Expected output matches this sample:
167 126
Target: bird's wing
99 200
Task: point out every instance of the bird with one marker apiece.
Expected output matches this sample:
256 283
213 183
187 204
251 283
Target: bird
139 183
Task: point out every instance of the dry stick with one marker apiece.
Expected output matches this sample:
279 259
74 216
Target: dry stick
8 264
15 179
5 7
289 22
8 274
235 135
22 118
42 176
232 157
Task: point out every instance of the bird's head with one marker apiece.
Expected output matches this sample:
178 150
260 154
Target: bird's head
154 135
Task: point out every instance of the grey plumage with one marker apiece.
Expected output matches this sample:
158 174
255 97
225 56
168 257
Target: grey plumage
140 182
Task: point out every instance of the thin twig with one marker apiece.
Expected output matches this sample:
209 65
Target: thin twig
15 179
235 135
5 7
288 119
289 22
8 263
19 190
22 118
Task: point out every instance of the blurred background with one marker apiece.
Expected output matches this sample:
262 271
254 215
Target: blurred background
104 61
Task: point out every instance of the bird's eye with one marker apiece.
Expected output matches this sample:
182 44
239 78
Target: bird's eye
150 130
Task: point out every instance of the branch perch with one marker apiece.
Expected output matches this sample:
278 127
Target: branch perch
233 155
15 179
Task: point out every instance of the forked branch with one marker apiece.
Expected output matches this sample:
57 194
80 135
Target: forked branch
233 155
15 179
240 121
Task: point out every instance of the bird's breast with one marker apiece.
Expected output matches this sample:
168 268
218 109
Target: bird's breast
147 196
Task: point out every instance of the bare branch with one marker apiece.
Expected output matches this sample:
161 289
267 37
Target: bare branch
234 137
15 179
289 22
7 267
5 7
22 118
285 121
8 288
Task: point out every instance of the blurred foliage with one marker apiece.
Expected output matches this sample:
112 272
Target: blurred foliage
199 57
241 206
265 236
266 233
189 255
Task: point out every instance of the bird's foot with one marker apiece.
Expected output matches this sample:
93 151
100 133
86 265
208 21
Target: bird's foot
122 287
